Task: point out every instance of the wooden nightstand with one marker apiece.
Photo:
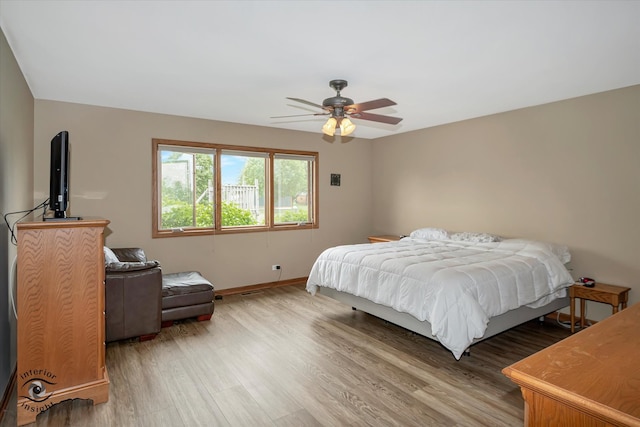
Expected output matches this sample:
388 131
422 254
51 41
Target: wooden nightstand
384 238
610 294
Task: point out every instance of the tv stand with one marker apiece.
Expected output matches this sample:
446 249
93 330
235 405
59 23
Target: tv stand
68 218
60 302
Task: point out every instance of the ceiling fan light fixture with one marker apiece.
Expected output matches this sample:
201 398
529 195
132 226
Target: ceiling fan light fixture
329 128
346 127
339 107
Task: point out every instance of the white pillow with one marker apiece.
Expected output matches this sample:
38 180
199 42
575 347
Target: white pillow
429 233
561 251
109 256
468 236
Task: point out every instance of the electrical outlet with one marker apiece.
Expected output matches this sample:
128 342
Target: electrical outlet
275 267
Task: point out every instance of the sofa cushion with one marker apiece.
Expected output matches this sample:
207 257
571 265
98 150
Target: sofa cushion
187 282
130 254
185 289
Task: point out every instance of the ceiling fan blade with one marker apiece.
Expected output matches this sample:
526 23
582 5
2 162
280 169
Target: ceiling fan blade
370 105
299 115
377 118
307 102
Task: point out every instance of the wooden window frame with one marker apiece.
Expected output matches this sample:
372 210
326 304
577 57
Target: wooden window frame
217 150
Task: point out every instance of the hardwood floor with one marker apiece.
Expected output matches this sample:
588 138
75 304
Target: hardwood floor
281 357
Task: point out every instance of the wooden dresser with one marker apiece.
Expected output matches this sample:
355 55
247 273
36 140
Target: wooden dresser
591 378
60 304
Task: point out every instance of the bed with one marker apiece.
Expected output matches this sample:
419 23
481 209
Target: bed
456 288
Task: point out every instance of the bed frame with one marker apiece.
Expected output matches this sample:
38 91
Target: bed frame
496 324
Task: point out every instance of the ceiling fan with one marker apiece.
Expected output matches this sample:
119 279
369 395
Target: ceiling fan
341 108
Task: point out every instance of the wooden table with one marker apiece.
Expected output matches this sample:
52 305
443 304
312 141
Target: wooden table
591 378
616 296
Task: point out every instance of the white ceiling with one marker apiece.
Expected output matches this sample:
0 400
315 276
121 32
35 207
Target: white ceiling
236 61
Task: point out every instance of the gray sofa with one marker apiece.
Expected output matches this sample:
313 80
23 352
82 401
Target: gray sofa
133 295
140 299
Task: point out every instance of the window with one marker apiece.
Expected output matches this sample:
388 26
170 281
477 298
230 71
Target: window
292 183
202 188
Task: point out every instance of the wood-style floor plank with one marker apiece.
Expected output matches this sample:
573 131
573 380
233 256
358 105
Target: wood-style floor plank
282 357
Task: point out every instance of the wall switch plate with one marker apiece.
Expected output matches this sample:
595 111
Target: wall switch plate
335 179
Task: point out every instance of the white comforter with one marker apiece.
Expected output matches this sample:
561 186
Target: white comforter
455 286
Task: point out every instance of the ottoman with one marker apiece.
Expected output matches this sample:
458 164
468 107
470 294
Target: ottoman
186 295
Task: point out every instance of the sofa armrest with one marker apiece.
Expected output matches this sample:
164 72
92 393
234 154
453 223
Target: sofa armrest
133 303
119 267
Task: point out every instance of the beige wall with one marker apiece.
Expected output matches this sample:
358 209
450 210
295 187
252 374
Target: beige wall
16 186
111 177
566 172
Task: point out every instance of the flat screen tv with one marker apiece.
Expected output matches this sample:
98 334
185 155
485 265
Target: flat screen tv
59 178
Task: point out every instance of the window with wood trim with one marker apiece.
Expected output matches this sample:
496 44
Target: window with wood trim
201 188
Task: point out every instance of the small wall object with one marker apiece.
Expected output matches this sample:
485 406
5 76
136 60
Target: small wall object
335 179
